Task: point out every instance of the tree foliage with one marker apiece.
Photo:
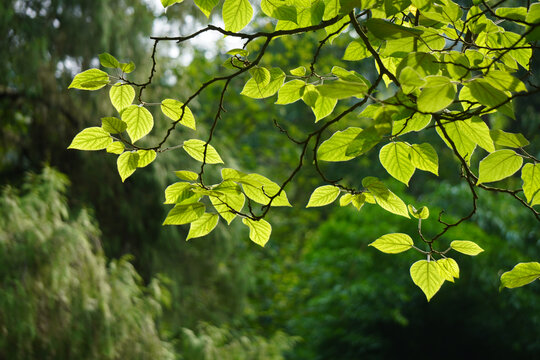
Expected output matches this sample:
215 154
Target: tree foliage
437 66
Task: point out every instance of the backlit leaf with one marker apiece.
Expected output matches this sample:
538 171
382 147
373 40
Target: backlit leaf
121 96
323 195
424 157
92 138
146 157
259 231
92 79
393 243
139 121
203 226
196 149
176 110
426 275
521 274
499 165
236 14
530 174
448 268
184 214
113 125
127 164
256 91
466 247
395 159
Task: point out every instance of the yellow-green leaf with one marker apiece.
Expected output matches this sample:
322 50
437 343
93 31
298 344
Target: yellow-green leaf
521 274
139 121
113 125
187 175
466 247
259 231
422 213
229 201
393 243
206 6
437 94
424 157
92 79
323 195
184 214
236 14
426 275
92 138
290 92
121 96
530 174
176 110
116 147
202 226
196 149
127 164
384 197
335 148
257 91
499 165
107 60
174 193
394 158
145 157
448 269
504 138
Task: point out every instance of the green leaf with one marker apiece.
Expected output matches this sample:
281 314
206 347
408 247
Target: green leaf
423 63
230 197
127 67
504 81
448 268
196 148
187 175
437 94
259 231
113 125
202 226
345 199
490 96
499 165
290 92
146 157
92 138
121 96
530 174
92 79
174 193
116 147
416 123
466 247
393 243
184 214
256 91
206 6
127 164
257 187
521 274
109 61
139 121
358 200
464 145
410 80
384 197
299 71
281 11
422 213
323 107
261 75
334 149
508 139
236 14
363 142
355 51
166 3
514 13
340 89
424 157
457 65
427 277
386 30
176 110
323 195
476 130
394 158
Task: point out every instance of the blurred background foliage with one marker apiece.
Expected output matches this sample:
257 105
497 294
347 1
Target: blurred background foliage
88 272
